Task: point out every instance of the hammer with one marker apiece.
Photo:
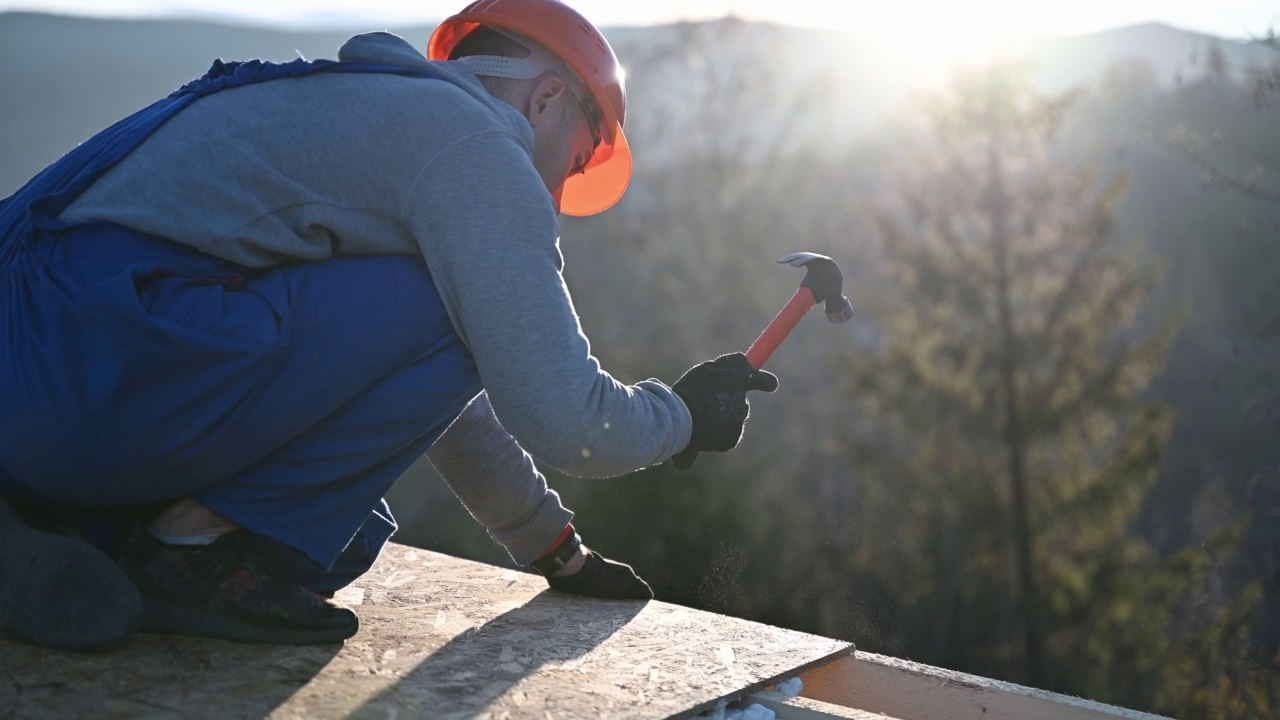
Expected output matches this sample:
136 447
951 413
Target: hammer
822 284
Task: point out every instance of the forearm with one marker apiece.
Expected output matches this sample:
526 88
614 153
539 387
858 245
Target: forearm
542 381
499 275
497 483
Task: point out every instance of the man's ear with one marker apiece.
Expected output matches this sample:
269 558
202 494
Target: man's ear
547 97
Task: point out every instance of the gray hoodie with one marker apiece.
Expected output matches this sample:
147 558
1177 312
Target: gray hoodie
332 164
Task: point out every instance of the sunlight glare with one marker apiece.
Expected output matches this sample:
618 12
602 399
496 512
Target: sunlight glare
932 36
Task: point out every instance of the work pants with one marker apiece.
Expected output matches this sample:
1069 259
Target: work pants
135 372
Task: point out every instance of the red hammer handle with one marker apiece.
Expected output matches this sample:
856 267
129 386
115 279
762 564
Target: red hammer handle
780 327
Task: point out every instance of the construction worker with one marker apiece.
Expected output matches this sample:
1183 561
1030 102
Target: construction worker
234 319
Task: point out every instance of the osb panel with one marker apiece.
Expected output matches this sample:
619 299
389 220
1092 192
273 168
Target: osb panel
440 638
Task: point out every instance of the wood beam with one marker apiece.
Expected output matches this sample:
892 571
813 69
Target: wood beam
803 708
911 691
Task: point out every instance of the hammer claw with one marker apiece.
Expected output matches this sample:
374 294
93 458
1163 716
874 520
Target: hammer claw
800 259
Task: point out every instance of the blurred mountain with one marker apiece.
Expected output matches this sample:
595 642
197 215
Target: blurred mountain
64 78
1175 56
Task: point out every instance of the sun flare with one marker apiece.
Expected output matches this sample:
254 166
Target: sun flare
928 38
933 34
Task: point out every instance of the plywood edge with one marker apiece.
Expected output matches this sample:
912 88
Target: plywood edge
912 691
802 708
757 688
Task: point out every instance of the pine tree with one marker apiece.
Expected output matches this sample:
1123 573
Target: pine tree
1008 383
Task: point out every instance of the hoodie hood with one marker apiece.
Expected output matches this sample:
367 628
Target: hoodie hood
384 48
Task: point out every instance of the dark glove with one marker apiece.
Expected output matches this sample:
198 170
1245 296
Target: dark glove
604 579
597 578
716 394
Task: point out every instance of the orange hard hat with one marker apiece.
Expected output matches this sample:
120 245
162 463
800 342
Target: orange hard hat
577 42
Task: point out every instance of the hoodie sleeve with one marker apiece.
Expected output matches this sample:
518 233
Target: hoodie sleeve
497 483
488 230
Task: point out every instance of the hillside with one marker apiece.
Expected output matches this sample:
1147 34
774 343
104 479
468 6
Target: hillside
64 77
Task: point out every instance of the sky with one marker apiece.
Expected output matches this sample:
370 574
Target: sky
909 20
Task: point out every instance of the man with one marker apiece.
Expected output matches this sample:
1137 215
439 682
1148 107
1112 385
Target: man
232 320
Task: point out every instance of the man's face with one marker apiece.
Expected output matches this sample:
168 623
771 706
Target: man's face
563 147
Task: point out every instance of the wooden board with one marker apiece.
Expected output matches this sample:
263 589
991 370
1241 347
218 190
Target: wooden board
911 691
802 708
441 638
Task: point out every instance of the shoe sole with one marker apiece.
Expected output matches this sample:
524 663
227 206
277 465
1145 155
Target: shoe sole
60 592
162 617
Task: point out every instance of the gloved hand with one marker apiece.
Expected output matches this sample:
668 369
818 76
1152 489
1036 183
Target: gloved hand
604 579
597 578
716 394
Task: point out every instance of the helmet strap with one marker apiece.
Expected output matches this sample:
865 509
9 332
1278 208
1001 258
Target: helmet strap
537 62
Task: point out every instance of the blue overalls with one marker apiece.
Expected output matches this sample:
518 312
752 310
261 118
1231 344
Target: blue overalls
136 371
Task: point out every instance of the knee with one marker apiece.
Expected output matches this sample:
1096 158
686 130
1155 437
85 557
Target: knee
75 468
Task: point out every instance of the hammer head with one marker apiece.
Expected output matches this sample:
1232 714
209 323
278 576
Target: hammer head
823 278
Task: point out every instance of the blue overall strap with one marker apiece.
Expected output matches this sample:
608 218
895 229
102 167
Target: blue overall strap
45 196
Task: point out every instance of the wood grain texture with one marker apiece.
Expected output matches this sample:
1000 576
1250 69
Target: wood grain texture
911 691
440 638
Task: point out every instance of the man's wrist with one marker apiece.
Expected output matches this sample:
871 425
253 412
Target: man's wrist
574 564
565 556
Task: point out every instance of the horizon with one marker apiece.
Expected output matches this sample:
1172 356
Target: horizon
980 21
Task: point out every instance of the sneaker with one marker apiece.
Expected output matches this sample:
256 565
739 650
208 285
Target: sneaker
59 591
230 589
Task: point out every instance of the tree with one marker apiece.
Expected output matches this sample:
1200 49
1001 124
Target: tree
1009 381
1235 165
1238 156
